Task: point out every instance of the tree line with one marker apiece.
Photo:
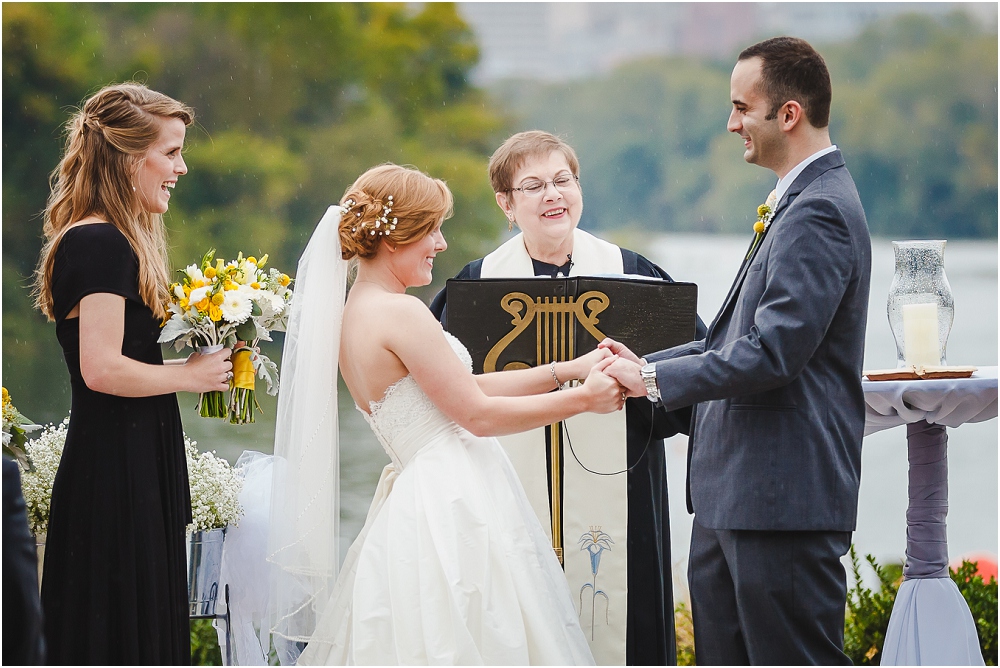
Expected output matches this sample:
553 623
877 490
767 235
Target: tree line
914 112
293 102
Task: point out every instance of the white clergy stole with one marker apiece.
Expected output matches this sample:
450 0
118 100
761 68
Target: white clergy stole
588 520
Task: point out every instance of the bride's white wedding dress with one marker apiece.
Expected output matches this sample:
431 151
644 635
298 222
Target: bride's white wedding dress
452 566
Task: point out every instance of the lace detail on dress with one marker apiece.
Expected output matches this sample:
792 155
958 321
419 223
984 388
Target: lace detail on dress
404 402
460 350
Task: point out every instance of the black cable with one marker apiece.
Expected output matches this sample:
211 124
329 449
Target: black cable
652 415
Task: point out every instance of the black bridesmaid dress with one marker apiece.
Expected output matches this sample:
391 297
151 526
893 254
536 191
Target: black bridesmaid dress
114 586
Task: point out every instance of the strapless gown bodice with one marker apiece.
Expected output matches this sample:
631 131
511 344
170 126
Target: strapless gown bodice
405 420
452 566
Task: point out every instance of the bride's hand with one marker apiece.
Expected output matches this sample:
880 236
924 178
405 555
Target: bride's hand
580 367
604 394
621 350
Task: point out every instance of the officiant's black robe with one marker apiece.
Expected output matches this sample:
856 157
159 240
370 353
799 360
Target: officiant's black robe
650 636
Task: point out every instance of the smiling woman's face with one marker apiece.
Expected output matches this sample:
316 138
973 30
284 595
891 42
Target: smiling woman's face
413 264
549 218
162 166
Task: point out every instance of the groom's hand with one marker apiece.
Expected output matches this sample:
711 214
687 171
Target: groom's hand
619 349
626 372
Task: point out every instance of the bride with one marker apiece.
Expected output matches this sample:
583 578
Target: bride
452 566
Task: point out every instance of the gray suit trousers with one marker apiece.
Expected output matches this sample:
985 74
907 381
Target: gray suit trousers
768 597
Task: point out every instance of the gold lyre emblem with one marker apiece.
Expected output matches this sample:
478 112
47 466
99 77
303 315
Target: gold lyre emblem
555 319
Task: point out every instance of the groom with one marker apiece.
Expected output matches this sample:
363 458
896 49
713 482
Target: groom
774 460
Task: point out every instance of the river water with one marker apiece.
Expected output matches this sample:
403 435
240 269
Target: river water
711 262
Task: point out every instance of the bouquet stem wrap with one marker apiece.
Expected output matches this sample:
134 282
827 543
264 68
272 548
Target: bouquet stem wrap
211 404
243 398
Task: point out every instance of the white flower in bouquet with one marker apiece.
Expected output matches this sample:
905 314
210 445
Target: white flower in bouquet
271 305
44 453
276 298
246 270
194 273
199 294
215 490
236 306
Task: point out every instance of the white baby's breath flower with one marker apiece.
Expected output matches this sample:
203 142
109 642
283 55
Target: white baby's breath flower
215 485
44 453
215 490
236 307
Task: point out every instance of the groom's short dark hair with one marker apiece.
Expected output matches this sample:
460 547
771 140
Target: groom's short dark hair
792 70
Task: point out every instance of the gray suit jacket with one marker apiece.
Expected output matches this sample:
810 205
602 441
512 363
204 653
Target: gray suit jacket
779 416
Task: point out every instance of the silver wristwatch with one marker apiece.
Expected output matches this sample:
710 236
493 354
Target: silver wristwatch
648 374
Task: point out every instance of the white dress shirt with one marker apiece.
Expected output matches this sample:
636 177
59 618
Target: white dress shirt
789 178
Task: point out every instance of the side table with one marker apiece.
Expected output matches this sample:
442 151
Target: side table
931 623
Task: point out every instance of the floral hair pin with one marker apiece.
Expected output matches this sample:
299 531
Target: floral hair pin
382 225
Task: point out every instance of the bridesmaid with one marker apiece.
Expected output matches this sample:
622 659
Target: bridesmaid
114 580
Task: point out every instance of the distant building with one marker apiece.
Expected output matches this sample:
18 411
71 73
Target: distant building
558 41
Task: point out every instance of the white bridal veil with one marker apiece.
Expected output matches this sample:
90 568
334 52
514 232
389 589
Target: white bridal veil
305 510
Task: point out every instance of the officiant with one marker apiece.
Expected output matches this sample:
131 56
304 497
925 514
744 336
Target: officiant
536 178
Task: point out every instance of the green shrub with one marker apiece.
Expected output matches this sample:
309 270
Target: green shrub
982 599
204 644
868 612
685 636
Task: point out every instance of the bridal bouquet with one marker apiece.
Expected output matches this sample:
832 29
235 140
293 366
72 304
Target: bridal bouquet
215 490
235 304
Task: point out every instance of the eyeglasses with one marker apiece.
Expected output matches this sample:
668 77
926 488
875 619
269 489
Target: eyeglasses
562 183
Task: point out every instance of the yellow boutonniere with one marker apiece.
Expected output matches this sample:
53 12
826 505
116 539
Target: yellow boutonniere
765 213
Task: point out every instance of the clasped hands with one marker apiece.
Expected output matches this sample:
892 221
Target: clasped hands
625 368
612 370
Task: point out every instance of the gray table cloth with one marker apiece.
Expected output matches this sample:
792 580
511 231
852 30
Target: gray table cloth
951 402
930 623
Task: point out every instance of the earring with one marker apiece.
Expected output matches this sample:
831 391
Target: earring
510 223
133 188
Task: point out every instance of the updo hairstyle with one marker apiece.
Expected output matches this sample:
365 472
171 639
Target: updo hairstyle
518 149
106 143
397 204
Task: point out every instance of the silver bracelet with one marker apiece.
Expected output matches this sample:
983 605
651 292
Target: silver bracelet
552 368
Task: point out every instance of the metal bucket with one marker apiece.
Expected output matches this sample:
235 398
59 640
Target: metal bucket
204 568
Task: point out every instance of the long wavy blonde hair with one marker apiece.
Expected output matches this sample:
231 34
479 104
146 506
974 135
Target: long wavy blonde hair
106 143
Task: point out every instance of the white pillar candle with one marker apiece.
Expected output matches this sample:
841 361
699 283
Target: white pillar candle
920 335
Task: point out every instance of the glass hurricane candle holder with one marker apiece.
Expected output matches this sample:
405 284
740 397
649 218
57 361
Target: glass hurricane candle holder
920 279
